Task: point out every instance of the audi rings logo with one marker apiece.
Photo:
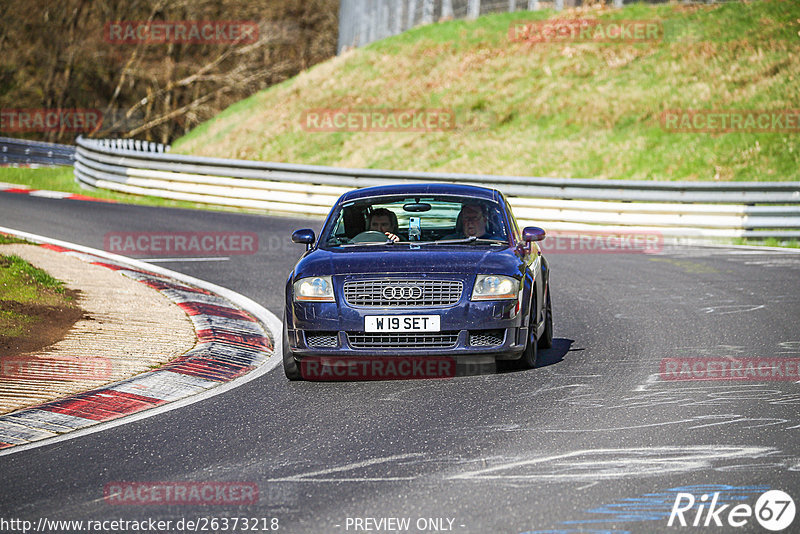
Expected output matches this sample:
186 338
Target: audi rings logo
402 292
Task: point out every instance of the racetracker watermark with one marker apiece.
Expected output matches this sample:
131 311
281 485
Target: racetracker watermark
181 32
50 120
143 525
180 493
736 369
731 120
181 243
378 120
774 510
377 368
64 368
586 31
603 243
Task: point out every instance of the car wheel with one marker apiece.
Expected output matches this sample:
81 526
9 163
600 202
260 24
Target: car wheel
290 368
530 356
546 341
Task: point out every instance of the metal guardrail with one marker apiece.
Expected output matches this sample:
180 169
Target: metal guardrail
673 209
25 152
364 21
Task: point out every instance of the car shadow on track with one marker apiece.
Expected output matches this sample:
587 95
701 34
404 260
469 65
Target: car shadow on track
556 353
553 355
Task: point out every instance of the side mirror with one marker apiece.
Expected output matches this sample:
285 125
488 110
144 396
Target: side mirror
533 233
305 236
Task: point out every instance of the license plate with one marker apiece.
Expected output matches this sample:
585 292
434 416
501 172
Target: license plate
401 323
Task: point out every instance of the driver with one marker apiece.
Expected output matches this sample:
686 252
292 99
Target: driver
385 221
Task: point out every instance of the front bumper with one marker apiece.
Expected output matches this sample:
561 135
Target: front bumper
493 328
510 349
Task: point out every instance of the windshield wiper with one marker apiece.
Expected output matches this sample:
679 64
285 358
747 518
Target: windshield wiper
367 243
468 240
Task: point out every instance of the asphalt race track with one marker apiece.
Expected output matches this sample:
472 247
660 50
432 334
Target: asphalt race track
596 441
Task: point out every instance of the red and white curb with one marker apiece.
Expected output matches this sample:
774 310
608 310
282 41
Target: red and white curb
25 190
234 345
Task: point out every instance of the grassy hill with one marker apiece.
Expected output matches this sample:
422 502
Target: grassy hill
583 110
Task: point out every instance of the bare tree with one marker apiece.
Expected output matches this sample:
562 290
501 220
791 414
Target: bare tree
56 55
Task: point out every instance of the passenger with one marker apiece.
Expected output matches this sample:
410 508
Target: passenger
472 221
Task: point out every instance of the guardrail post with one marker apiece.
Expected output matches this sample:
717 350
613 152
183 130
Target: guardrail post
374 12
427 11
398 17
412 13
447 9
473 9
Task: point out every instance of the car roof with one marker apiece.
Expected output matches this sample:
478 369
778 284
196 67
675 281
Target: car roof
422 189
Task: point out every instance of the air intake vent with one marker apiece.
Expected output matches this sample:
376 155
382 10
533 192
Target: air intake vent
486 338
322 340
433 340
409 293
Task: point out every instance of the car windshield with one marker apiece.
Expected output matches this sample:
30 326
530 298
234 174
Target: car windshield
425 220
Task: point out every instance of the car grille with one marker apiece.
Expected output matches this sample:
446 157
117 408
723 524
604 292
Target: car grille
419 340
322 340
486 338
386 293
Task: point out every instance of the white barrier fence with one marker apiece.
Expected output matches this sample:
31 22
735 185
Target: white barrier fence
671 209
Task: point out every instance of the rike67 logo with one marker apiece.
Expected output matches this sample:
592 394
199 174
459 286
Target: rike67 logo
774 510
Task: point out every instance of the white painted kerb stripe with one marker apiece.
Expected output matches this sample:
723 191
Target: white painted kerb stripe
269 319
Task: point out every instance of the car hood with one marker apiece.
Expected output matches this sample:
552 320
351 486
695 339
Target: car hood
402 259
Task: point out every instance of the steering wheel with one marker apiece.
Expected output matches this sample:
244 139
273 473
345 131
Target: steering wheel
370 236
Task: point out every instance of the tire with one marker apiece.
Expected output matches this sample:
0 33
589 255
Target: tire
546 341
530 356
290 368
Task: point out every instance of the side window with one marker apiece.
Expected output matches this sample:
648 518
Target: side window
497 224
514 225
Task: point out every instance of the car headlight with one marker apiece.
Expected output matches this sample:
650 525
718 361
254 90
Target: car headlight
314 288
495 287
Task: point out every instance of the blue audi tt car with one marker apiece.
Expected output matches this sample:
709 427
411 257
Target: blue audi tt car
418 270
